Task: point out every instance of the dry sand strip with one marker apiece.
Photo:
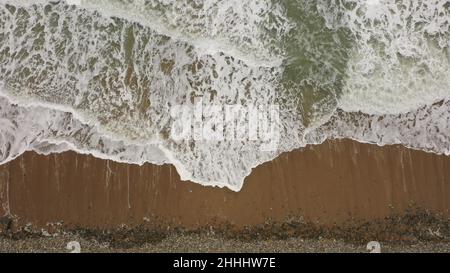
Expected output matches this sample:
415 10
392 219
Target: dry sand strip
206 244
415 231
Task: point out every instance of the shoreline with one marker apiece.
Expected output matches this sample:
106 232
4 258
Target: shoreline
333 183
332 197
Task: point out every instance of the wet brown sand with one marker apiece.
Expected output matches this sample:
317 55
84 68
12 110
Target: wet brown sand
336 182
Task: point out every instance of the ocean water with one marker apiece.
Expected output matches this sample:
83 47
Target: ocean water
102 77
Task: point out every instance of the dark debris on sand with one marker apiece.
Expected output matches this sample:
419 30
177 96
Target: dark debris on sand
415 231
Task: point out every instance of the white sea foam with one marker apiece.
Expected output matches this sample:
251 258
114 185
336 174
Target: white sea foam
233 27
426 128
401 60
45 130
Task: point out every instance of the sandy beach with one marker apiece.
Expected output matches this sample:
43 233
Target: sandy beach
327 123
340 190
